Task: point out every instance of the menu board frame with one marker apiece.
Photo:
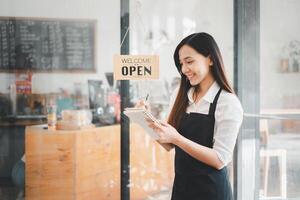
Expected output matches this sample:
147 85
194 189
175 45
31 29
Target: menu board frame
92 25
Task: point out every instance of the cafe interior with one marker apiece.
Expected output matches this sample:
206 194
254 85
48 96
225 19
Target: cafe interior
63 133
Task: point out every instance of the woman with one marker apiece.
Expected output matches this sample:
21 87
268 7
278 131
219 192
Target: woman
203 123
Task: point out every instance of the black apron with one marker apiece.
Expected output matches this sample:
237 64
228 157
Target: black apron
195 180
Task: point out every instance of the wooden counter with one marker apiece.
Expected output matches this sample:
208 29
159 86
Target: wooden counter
85 164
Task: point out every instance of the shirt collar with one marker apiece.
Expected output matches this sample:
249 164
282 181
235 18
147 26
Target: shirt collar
209 96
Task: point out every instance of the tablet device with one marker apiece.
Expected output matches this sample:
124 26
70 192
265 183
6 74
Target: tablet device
138 115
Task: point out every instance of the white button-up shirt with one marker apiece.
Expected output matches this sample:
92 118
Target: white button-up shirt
228 118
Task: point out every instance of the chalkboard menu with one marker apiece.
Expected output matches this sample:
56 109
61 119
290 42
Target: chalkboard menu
47 44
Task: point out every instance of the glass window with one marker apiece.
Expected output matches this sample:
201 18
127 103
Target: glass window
57 56
279 97
56 64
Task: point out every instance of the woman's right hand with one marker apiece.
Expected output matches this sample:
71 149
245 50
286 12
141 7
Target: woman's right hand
143 104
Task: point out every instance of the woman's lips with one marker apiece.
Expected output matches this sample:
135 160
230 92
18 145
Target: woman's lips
190 76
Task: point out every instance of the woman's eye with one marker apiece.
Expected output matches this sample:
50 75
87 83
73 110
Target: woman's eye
190 62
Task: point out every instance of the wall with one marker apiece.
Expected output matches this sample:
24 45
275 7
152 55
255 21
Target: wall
107 14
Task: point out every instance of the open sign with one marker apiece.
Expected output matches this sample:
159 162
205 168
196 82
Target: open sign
136 67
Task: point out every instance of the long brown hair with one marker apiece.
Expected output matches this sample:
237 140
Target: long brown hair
204 44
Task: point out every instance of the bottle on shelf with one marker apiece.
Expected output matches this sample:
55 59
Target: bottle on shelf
51 116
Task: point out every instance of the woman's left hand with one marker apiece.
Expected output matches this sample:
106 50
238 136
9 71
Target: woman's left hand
168 134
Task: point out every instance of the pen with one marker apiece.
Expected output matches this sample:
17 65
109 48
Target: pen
147 97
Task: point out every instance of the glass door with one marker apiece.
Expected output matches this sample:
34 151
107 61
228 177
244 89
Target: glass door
156 27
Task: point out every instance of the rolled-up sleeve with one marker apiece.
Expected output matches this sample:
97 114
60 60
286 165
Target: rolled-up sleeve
228 119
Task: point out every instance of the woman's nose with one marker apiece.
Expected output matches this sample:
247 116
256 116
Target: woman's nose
184 68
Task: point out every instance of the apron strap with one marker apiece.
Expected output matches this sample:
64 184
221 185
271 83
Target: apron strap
213 105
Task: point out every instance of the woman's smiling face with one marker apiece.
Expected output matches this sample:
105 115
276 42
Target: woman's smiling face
194 65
